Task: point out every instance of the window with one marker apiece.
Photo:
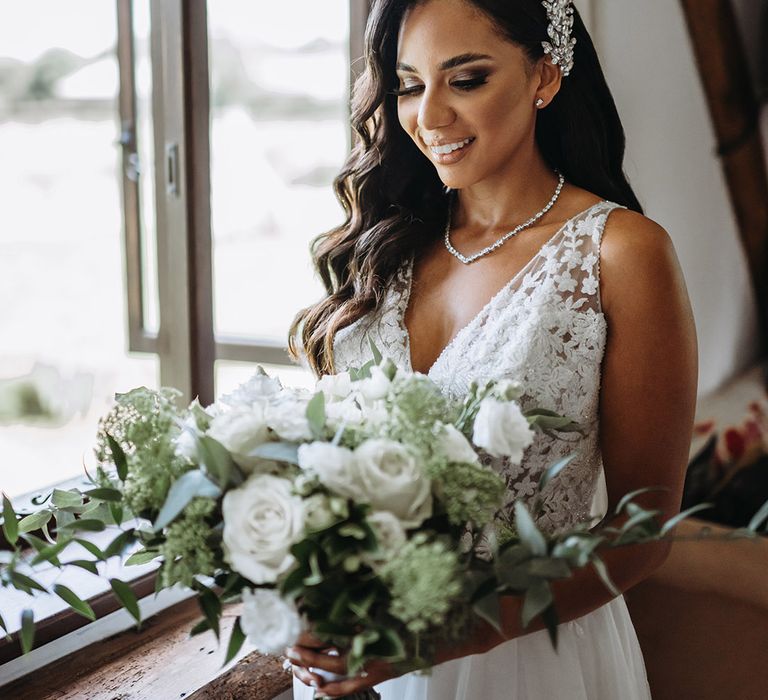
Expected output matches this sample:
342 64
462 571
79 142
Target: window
219 160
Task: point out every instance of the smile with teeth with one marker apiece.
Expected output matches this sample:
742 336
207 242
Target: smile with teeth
446 148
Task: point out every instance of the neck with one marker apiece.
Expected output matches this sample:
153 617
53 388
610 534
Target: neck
507 199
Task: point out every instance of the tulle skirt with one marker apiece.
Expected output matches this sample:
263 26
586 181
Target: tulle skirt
598 658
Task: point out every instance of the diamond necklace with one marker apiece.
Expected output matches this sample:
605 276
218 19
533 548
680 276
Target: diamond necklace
466 260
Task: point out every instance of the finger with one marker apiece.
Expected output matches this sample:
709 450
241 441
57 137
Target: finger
307 639
349 686
308 657
306 676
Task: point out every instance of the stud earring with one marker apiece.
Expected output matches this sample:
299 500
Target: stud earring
539 102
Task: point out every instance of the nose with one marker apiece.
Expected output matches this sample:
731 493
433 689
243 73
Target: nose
434 111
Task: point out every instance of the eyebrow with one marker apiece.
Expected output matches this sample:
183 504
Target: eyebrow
449 63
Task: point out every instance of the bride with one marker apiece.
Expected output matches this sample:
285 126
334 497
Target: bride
491 232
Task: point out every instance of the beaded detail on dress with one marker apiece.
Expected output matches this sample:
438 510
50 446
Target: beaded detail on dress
544 328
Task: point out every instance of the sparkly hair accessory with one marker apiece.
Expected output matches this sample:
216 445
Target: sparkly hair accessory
560 46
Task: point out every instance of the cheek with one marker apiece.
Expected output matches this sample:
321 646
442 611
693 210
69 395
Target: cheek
407 115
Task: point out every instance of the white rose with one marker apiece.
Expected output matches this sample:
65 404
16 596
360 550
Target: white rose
346 411
270 622
375 412
335 466
287 416
186 441
319 513
502 430
376 386
335 386
455 446
393 480
241 430
257 390
262 519
390 535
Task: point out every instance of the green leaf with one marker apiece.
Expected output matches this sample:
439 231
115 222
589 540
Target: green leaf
217 461
36 542
92 548
375 351
548 568
66 499
602 571
211 606
278 451
116 511
84 524
24 583
236 640
555 469
74 601
188 486
489 609
119 458
142 557
104 494
27 634
759 518
127 597
118 545
202 626
672 522
4 626
34 521
387 646
529 533
84 564
50 552
316 414
537 599
10 523
628 497
640 517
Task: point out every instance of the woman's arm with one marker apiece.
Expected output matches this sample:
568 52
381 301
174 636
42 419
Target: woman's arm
647 403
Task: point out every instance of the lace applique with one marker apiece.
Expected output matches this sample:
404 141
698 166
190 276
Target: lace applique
545 328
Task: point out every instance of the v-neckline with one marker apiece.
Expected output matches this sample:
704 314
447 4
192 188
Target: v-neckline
403 306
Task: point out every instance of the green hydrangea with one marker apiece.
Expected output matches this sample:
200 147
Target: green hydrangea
417 404
187 550
471 492
145 423
425 583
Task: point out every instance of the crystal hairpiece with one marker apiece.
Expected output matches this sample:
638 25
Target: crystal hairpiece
560 46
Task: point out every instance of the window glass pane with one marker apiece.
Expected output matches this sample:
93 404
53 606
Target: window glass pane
61 262
279 86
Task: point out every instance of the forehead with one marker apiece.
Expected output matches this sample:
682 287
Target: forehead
434 30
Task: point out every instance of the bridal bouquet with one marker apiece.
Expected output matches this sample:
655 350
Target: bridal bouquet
361 510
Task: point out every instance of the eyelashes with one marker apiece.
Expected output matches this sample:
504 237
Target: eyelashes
465 85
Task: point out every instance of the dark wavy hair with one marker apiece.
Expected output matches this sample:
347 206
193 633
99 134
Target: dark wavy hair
393 199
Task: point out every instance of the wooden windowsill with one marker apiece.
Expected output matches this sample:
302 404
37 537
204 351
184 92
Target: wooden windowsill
159 662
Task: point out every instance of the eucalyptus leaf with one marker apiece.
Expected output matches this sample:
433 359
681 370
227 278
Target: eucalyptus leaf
202 626
217 461
66 499
84 564
24 583
104 494
316 415
529 533
602 571
10 523
190 485
34 521
119 543
489 609
84 524
119 458
675 520
38 544
211 607
27 633
278 451
51 551
555 469
759 518
236 639
548 568
142 557
91 548
74 601
377 357
537 599
127 597
632 494
640 517
4 626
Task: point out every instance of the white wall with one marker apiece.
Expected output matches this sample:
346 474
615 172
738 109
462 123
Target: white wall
649 64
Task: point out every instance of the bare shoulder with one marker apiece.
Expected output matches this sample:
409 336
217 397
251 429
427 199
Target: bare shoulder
637 257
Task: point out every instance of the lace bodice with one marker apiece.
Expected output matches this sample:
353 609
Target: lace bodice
544 328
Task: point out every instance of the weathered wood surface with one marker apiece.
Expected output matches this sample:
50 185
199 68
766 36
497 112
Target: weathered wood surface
160 662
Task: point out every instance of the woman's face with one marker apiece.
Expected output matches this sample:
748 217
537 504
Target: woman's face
466 95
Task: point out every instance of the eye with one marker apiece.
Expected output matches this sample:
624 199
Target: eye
470 83
407 89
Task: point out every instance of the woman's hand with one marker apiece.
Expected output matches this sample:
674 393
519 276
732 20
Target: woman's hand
318 655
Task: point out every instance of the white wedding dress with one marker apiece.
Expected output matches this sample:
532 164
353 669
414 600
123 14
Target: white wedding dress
546 329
